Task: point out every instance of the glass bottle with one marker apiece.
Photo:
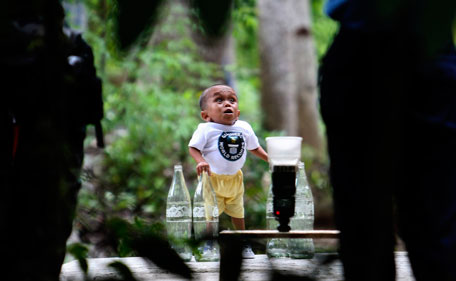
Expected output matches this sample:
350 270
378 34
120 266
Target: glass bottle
179 215
303 218
206 220
275 247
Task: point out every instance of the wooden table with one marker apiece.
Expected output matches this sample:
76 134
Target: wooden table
256 269
232 241
259 268
258 234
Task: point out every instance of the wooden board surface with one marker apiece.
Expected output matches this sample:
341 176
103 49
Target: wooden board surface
256 269
253 234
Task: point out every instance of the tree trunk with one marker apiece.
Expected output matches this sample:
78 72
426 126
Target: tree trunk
288 69
219 51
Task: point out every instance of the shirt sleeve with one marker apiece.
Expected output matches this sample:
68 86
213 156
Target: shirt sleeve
198 139
251 139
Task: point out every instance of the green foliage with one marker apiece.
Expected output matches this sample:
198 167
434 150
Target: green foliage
151 110
245 29
213 16
79 252
133 22
323 27
123 271
154 112
157 126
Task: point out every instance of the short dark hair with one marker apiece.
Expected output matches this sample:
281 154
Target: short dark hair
203 96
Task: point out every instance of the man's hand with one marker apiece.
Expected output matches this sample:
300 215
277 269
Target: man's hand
203 167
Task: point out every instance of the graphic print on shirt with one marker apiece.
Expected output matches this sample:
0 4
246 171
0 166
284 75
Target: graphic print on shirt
231 145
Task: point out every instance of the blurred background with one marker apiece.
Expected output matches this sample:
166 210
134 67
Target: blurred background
267 50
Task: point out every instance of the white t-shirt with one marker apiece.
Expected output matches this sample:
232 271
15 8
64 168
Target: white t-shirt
223 146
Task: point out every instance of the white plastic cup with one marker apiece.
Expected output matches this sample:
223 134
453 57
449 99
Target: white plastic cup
284 151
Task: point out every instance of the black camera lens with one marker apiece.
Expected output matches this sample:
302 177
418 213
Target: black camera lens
283 189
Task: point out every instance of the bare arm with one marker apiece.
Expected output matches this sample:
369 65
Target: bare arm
260 153
201 164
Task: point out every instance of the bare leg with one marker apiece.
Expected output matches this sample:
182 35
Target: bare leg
238 223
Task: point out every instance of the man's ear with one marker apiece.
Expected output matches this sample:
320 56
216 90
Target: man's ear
205 116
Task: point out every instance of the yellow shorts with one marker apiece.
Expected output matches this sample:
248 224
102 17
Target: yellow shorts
229 190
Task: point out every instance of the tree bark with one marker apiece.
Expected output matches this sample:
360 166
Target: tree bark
288 69
219 51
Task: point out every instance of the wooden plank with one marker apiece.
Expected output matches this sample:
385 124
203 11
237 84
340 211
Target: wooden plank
259 268
326 234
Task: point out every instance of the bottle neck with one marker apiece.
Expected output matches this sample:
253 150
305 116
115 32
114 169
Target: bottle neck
178 185
301 181
178 177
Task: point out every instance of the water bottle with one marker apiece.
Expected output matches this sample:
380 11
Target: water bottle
206 220
179 215
275 247
303 218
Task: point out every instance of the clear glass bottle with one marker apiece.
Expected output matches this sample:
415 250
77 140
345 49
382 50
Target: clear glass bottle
303 218
206 220
275 247
179 215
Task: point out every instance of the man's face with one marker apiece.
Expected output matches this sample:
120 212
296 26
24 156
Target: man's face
221 106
